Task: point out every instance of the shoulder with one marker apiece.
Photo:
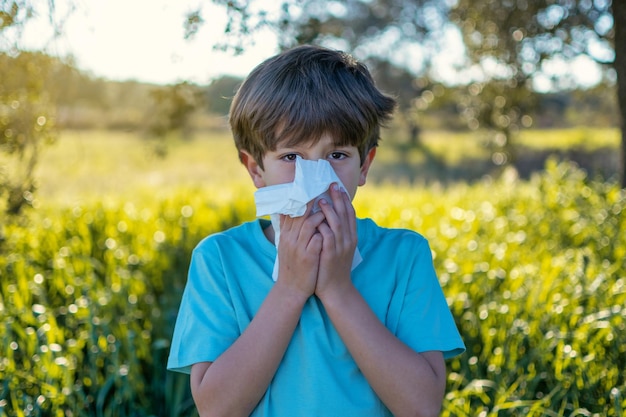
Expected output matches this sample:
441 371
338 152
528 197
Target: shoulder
243 231
243 236
225 254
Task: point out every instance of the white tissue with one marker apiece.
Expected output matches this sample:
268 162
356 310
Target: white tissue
311 182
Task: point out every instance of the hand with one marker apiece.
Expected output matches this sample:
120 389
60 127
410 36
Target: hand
299 251
339 243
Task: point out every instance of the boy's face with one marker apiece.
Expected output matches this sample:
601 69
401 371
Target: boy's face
279 165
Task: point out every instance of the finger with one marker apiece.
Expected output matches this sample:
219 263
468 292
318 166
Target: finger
344 207
329 244
308 227
295 222
313 220
337 196
350 213
281 219
315 243
309 209
345 210
331 215
341 205
342 220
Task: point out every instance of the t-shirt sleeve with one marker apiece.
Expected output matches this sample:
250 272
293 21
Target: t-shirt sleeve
425 321
206 324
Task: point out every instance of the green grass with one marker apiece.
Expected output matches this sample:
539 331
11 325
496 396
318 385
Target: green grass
454 147
582 138
534 273
93 165
88 165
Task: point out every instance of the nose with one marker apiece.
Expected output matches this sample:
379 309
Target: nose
313 157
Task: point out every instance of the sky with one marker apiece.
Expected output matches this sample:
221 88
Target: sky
143 40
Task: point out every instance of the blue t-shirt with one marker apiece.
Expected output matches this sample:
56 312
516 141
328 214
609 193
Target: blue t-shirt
231 274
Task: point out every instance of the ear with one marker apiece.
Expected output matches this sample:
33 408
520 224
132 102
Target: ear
255 171
365 167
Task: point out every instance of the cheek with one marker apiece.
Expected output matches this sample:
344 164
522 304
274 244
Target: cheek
283 176
350 180
278 172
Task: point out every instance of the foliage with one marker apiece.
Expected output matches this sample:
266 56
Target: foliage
522 34
219 94
26 109
26 123
89 295
517 38
82 101
501 106
172 108
533 272
13 15
351 23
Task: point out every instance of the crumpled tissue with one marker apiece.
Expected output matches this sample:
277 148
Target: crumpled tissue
311 183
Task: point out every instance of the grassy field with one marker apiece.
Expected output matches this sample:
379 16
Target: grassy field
588 139
86 165
83 166
534 272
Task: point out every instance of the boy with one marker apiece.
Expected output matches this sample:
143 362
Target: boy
323 339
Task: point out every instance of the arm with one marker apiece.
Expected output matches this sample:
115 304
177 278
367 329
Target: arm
409 383
234 383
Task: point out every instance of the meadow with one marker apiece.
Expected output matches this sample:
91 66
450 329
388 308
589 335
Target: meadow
534 271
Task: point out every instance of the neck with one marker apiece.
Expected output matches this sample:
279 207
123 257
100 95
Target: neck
269 233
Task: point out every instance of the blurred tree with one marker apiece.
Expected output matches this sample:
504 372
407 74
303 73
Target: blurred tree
13 15
26 113
519 39
355 24
406 87
500 107
70 86
172 108
26 122
594 106
219 94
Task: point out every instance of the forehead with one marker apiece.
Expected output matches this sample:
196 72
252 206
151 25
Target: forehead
324 140
299 135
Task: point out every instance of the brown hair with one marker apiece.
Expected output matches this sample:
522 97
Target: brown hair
304 93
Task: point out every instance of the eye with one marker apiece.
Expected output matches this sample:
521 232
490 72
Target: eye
337 155
290 157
